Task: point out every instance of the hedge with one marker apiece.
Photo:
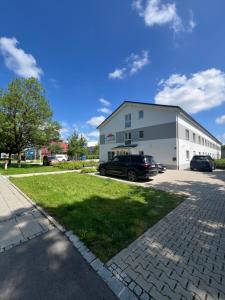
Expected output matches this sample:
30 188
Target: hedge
75 165
89 170
220 163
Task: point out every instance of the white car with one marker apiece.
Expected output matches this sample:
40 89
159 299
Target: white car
61 157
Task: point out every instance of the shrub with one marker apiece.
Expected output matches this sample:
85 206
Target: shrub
92 156
90 163
220 163
75 165
89 170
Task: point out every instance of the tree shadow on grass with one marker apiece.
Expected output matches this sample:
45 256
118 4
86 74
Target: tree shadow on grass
107 225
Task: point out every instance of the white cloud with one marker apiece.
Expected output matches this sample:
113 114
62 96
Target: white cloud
137 62
134 63
93 134
220 120
66 130
201 91
191 24
105 110
92 143
17 60
117 74
104 102
95 121
154 12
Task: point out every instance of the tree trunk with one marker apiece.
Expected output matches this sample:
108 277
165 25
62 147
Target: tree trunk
19 160
10 159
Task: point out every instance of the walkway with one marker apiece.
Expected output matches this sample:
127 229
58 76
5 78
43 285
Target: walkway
183 255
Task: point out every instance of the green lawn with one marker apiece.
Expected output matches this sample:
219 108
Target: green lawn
26 168
105 214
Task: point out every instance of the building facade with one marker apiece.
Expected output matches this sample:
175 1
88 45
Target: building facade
167 132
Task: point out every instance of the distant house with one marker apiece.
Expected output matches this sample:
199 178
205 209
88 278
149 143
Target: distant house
37 153
167 132
62 144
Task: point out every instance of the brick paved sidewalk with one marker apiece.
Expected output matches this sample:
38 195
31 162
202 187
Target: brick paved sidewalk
19 219
183 255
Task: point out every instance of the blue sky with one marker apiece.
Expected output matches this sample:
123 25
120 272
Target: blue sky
92 55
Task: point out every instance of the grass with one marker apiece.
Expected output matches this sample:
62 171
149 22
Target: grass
26 169
107 215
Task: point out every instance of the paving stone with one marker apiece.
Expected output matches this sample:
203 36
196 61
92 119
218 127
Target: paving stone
184 252
126 294
138 290
144 296
132 285
10 233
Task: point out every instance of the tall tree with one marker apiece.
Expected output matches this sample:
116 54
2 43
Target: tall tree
25 117
83 145
77 145
73 145
55 148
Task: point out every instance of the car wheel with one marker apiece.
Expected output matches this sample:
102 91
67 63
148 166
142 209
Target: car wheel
102 171
131 175
192 169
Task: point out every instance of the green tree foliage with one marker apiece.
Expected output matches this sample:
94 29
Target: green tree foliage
77 145
25 117
96 150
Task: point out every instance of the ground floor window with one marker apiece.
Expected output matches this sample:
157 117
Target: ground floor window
110 155
187 154
141 152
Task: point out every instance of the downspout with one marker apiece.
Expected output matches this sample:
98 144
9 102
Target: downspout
177 143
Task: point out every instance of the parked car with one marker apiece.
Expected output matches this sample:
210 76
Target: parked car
61 157
161 168
50 160
202 163
131 166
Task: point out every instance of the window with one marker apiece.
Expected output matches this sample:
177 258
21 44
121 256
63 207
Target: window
187 134
187 155
141 134
141 152
203 141
128 121
110 155
141 114
194 137
136 159
127 138
199 140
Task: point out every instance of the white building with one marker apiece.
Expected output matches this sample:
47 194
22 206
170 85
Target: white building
167 132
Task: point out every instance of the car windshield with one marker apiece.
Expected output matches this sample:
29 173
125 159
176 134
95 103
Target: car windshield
201 157
149 160
52 157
